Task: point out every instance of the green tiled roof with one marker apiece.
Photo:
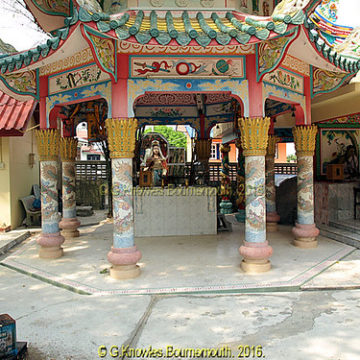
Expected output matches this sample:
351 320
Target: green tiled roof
181 29
350 64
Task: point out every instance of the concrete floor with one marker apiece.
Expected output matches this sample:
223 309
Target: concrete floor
182 264
301 322
62 325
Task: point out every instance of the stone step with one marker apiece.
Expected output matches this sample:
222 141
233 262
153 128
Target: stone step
347 226
344 236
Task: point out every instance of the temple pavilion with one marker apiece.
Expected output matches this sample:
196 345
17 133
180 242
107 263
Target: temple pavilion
251 63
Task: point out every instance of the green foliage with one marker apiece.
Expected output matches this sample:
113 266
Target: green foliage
175 138
291 158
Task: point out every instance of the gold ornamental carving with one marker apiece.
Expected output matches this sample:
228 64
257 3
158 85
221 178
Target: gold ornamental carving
68 149
121 137
305 139
254 135
48 144
271 148
203 149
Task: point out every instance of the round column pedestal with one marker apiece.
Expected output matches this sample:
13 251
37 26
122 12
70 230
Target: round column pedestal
255 266
256 257
50 246
305 236
124 263
271 222
69 227
123 272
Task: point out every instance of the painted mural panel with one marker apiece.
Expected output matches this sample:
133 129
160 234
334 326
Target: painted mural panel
187 67
76 78
340 146
286 79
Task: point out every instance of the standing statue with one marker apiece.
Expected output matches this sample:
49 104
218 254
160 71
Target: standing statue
225 187
155 161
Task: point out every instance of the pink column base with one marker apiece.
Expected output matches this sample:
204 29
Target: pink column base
50 245
124 262
69 227
256 257
305 235
271 221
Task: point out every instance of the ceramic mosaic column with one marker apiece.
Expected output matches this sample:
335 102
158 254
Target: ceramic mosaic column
255 250
240 177
305 230
272 217
50 239
203 150
123 255
69 223
225 187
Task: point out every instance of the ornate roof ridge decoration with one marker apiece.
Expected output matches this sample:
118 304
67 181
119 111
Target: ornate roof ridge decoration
104 50
150 28
290 7
272 52
335 43
21 60
232 29
24 83
57 8
324 81
344 63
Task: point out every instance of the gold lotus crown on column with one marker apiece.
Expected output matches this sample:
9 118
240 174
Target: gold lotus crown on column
203 148
272 141
305 139
68 149
121 137
254 135
48 144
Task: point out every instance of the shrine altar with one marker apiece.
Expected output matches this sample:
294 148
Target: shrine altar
175 211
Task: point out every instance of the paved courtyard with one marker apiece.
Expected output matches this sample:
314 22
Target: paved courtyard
191 295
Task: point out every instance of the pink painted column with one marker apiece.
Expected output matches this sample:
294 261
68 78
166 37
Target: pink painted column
50 240
255 250
305 230
123 255
69 223
43 92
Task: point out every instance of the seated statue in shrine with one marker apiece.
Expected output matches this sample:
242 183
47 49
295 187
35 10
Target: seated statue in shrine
155 161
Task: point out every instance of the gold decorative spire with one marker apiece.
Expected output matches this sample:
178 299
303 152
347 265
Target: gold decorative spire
254 135
272 141
305 139
203 148
68 149
121 137
48 144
